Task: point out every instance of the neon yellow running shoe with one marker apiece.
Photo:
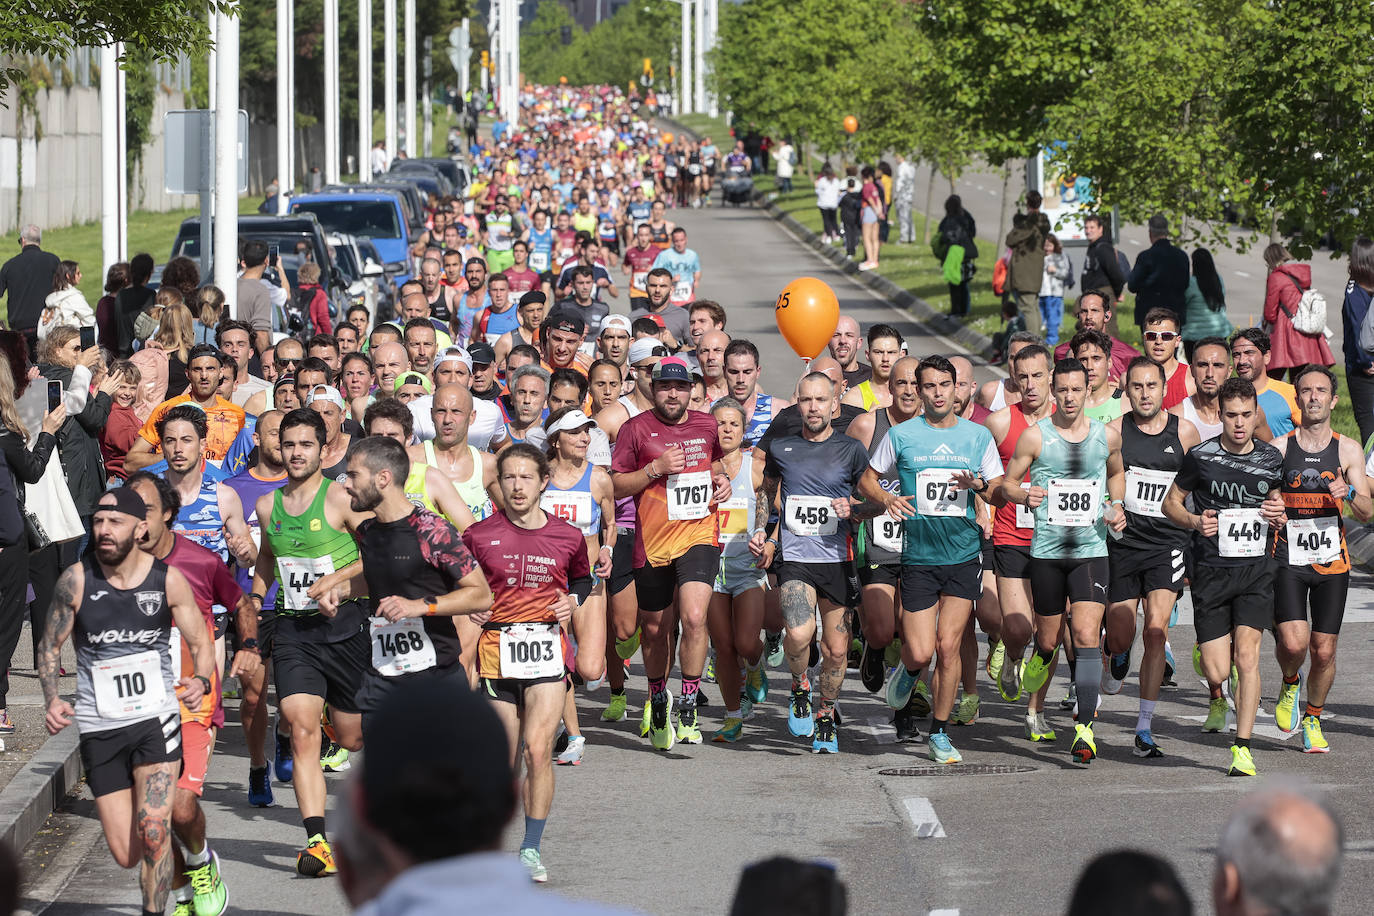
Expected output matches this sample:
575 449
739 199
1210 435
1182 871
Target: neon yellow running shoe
615 710
211 896
729 731
997 654
1216 715
644 719
966 709
626 648
1197 661
1035 674
1313 742
1038 730
1286 711
1084 748
1242 763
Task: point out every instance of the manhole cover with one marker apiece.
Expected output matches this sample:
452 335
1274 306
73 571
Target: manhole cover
959 769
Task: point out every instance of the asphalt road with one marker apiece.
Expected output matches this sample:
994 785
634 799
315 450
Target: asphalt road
669 833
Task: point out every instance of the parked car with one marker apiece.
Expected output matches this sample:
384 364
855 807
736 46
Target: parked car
378 215
365 275
449 168
429 177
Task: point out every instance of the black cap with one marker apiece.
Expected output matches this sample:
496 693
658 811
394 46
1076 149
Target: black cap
288 381
563 320
533 295
123 499
482 354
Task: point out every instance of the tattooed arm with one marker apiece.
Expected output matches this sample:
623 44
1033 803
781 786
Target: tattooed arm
63 616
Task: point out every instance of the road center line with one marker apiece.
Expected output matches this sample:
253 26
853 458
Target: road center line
923 817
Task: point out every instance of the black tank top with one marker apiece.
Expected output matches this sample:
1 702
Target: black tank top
1307 477
1151 463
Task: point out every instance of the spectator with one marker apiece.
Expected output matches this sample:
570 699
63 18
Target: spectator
851 211
885 185
874 212
255 303
784 886
208 308
269 203
1359 365
1027 269
1101 270
131 301
106 324
183 275
1094 312
1160 276
65 304
1279 854
1289 348
828 202
118 434
955 249
1129 883
785 162
175 336
313 301
1204 306
1056 278
26 279
903 192
423 825
19 465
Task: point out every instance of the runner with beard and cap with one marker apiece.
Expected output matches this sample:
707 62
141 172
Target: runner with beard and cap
884 349
939 458
119 606
844 349
1147 559
320 647
669 460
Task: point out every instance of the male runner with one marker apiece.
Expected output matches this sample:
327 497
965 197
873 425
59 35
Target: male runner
938 458
1161 343
119 604
530 313
1321 469
844 349
320 649
1095 313
224 419
884 349
813 475
1147 559
1093 349
539 574
1211 366
742 371
520 279
704 316
996 394
1236 484
583 304
1250 354
685 267
668 458
1074 463
711 359
658 293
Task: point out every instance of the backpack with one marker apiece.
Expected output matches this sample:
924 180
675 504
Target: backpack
999 275
1310 317
296 310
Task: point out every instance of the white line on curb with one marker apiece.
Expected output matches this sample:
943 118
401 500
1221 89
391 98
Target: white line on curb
923 817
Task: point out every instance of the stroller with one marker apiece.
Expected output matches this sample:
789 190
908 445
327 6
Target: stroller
737 187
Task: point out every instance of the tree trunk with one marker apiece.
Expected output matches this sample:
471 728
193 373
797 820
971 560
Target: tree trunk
805 157
929 213
1002 205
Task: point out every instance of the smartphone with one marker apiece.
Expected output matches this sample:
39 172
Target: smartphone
54 395
87 338
273 252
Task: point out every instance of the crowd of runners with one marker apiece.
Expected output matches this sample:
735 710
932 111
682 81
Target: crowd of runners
527 481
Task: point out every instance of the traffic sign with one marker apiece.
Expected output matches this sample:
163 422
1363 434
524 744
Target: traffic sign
188 156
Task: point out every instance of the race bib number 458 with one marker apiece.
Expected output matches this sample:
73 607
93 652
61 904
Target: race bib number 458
809 516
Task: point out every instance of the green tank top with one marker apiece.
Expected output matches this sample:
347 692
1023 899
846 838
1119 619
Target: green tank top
306 548
1068 524
472 490
1107 411
417 489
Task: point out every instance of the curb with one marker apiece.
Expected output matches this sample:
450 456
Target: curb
37 790
923 312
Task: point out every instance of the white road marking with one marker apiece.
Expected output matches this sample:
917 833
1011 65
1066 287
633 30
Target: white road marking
944 913
878 728
923 817
1135 242
1241 273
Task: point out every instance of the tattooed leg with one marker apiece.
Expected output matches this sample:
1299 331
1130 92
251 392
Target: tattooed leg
154 785
799 614
834 650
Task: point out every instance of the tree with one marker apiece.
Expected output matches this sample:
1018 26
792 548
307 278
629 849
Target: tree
543 56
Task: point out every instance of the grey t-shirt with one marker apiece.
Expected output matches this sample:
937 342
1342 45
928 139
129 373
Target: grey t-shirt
813 474
254 306
674 318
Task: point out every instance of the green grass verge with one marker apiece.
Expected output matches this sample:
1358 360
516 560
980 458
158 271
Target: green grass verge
706 126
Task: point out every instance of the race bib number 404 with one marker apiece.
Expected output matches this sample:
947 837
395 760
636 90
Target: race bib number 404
1313 540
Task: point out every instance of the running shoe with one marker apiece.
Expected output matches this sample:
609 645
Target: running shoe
7 726
965 709
941 750
1084 748
1286 710
1242 762
283 762
827 740
259 788
1216 715
871 668
1009 680
1197 661
856 651
572 755
708 674
997 655
920 699
1114 673
1036 673
560 743
534 865
702 699
212 897
688 731
1313 741
626 648
316 860
335 759
900 685
183 908
756 684
907 726
1070 700
729 731
800 721
1233 684
231 689
644 719
1038 730
746 706
772 647
1145 745
1168 666
660 721
892 655
615 710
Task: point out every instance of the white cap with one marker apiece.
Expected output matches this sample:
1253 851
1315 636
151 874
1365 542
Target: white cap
615 321
454 354
325 393
571 421
646 347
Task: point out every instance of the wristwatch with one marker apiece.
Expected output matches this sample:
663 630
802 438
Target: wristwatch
249 644
431 605
204 680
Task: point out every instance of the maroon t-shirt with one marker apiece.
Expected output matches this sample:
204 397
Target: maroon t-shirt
211 584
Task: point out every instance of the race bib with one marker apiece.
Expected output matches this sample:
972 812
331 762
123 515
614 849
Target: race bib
888 533
694 169
689 496
809 516
606 229
1241 533
1145 491
670 171
1025 516
1072 503
129 686
530 650
1313 540
937 495
174 647
572 506
539 261
296 575
682 290
639 278
400 647
733 515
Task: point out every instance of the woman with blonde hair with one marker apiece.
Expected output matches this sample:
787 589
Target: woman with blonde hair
208 307
175 336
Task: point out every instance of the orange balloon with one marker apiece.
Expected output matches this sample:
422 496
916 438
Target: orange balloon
667 137
807 313
851 124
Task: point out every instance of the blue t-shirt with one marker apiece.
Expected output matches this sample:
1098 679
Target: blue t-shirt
236 459
682 266
1278 413
945 531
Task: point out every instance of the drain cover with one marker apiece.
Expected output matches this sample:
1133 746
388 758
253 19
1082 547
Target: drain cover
959 769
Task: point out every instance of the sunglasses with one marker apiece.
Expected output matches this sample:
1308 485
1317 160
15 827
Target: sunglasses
1165 336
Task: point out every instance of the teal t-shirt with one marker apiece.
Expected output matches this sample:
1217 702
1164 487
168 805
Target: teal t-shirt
1069 524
